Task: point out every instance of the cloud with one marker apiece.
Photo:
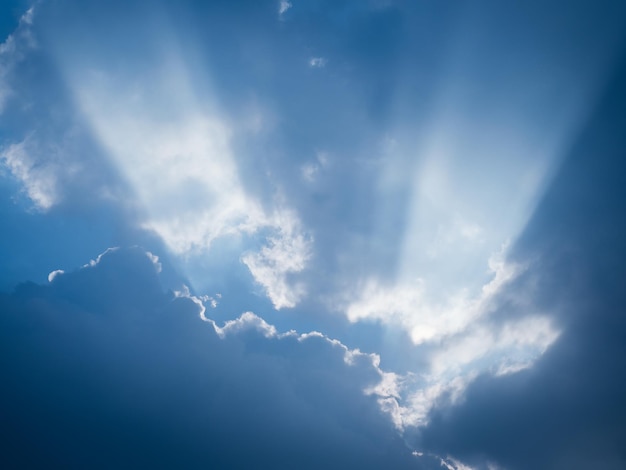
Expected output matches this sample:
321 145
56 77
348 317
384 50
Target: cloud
567 407
311 170
487 359
12 51
509 347
317 62
409 305
155 260
283 6
461 339
38 179
453 464
162 388
183 170
54 274
285 253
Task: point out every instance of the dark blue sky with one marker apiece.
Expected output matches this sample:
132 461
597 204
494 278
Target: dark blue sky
293 234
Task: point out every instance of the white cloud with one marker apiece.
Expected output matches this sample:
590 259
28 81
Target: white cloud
283 6
311 170
94 262
27 18
199 300
182 168
462 340
456 362
509 347
247 321
317 62
155 261
454 464
185 293
410 305
419 399
183 172
387 385
286 252
54 274
38 179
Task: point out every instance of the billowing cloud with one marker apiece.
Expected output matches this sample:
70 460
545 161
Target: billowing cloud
203 130
181 391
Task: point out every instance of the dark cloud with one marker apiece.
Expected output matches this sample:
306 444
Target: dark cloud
568 411
101 369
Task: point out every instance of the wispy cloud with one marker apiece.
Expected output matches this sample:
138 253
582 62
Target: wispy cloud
285 253
283 6
12 51
184 171
38 179
317 62
462 340
410 304
310 171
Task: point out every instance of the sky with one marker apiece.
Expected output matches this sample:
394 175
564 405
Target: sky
313 234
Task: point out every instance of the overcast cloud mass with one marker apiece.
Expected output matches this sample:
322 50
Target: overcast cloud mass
313 234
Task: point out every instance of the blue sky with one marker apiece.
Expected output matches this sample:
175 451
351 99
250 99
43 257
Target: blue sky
299 234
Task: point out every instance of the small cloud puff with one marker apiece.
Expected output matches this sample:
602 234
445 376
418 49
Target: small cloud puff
55 274
311 170
317 62
283 6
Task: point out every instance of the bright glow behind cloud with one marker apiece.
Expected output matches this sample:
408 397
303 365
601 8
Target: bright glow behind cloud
472 183
426 320
477 169
177 155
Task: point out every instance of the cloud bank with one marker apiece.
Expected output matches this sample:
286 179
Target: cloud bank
122 373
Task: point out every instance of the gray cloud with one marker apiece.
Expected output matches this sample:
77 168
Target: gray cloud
567 412
102 368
